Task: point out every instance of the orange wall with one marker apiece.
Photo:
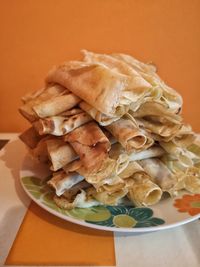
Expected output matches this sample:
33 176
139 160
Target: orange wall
36 34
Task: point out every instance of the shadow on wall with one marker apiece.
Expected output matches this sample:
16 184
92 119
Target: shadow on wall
12 156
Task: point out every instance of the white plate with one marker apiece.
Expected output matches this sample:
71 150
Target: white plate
168 213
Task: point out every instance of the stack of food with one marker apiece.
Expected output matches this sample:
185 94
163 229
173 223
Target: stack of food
111 132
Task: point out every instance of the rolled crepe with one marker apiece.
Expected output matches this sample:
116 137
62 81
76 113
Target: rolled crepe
186 138
112 184
179 153
98 116
188 179
90 144
30 96
129 135
109 198
144 193
30 137
60 153
159 173
192 180
96 178
195 146
71 112
45 94
110 168
73 166
154 108
61 125
62 181
96 84
56 105
169 96
162 129
135 171
128 171
151 152
120 156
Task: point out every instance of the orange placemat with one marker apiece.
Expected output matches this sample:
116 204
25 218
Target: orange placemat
44 239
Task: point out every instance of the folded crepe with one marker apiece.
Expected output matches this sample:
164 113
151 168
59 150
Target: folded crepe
141 190
169 96
180 153
96 178
158 172
185 177
160 128
108 198
154 108
98 116
90 143
31 100
137 65
61 181
35 94
110 167
96 84
192 180
112 184
56 105
60 153
120 156
151 152
138 87
128 134
61 124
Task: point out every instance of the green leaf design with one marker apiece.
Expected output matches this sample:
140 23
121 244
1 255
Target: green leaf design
32 187
94 214
36 194
31 180
116 210
156 221
141 214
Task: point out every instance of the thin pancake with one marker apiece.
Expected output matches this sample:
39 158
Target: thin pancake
94 83
61 125
90 144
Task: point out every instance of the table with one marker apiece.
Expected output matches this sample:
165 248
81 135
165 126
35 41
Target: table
179 246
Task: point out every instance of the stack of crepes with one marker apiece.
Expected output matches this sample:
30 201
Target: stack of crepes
111 133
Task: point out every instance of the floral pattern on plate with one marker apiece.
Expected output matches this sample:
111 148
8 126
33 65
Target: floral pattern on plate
189 204
112 216
130 217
